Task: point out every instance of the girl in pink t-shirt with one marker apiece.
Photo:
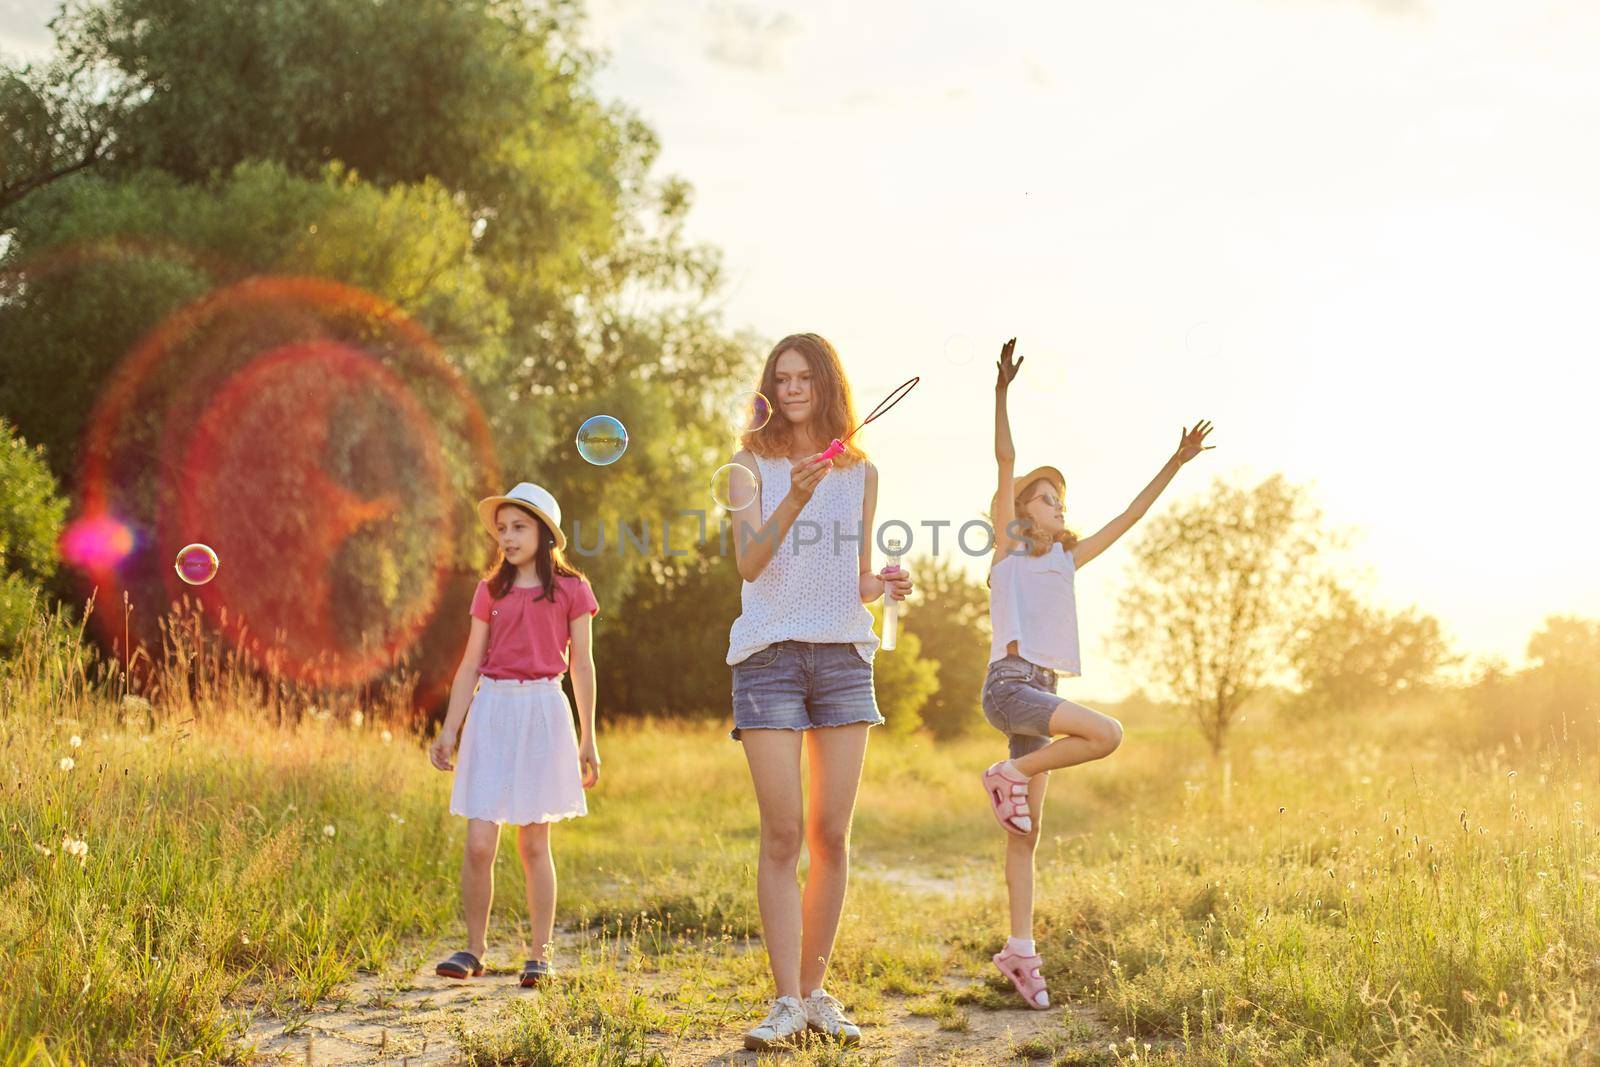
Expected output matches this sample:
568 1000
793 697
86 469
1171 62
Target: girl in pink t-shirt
521 762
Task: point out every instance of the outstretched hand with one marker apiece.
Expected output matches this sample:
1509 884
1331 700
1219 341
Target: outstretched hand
1191 442
1006 369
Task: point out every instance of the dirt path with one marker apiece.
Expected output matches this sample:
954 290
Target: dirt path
407 1015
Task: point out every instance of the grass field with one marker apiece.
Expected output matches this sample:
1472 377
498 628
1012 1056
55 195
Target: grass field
1341 892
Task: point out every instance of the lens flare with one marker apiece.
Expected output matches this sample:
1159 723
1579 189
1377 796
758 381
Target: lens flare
315 436
96 543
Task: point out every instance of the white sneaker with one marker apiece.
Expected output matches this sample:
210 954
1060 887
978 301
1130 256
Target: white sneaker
826 1014
783 1024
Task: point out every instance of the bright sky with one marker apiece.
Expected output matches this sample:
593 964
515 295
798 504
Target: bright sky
1359 235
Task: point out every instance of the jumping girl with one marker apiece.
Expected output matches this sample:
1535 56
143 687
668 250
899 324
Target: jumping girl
521 762
801 652
1034 615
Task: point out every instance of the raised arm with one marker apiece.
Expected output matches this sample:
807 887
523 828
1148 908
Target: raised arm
1190 444
1005 454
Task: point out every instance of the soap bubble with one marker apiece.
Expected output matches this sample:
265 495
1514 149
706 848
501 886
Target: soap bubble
958 349
1204 340
751 411
196 564
733 486
602 440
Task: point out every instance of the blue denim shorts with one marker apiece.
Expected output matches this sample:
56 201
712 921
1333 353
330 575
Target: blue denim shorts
801 685
1018 700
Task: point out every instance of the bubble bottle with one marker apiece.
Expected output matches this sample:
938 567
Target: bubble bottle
891 606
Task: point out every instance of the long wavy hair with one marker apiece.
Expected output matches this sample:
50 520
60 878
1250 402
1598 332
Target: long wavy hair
1037 540
548 561
830 390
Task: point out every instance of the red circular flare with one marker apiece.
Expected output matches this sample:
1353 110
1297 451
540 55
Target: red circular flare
312 435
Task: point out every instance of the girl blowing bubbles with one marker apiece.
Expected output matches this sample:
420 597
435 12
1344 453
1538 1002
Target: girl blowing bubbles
521 763
1034 615
801 652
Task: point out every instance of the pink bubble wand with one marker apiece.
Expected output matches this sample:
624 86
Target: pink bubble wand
836 446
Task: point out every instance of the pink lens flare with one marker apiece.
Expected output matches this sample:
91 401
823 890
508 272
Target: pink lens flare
96 543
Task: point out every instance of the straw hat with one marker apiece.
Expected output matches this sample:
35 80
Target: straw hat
535 498
1050 474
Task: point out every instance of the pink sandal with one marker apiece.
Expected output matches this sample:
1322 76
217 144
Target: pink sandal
1024 974
1008 796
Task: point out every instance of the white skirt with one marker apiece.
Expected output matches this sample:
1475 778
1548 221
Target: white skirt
518 761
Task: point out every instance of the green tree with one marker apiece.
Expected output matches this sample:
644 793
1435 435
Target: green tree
53 122
455 162
1218 587
904 680
1567 646
1351 656
31 516
949 614
664 649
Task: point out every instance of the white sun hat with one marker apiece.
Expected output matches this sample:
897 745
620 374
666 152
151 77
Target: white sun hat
535 498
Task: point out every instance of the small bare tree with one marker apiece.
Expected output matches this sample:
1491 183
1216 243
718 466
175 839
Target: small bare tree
1220 584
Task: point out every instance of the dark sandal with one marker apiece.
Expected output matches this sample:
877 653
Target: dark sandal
461 965
534 972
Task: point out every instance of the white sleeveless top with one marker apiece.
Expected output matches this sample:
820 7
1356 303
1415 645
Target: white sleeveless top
1031 602
808 592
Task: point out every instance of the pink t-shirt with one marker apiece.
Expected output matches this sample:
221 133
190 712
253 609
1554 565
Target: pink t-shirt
528 635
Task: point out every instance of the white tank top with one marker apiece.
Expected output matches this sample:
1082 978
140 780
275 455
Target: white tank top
1031 602
808 592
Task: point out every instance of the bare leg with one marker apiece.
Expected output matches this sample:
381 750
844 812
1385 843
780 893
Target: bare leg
1081 734
533 844
477 881
836 755
1019 862
774 758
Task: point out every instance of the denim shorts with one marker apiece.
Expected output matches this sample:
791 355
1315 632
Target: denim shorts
1018 700
801 685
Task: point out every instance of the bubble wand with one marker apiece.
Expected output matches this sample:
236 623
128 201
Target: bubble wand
836 446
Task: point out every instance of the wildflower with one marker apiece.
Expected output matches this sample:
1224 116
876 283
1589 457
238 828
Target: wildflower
67 763
75 741
357 718
42 850
328 830
387 736
399 820
71 846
